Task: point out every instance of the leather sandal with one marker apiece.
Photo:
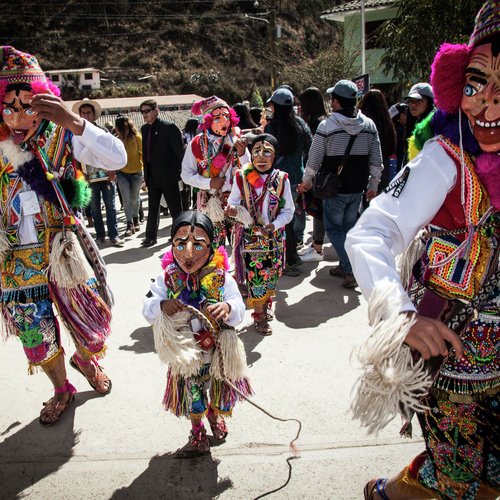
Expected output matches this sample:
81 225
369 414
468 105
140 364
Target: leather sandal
218 427
375 486
261 323
197 445
52 410
100 382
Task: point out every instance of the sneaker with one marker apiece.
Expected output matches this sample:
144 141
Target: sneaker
300 244
117 242
337 272
100 241
137 227
349 281
311 255
291 271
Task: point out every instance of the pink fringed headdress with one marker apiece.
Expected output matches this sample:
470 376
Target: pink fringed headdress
206 106
20 67
450 63
448 76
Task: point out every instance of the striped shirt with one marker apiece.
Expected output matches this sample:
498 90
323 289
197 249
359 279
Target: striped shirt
331 139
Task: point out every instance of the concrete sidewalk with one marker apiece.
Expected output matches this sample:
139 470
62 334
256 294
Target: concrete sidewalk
121 445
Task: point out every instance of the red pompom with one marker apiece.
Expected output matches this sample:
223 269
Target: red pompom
448 76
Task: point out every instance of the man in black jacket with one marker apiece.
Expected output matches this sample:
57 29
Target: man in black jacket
162 150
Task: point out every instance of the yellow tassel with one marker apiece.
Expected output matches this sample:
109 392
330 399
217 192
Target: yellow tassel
197 416
50 176
46 364
98 355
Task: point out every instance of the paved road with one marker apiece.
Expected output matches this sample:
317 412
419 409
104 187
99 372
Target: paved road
120 446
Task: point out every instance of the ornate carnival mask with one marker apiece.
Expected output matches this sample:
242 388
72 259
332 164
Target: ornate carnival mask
481 97
191 248
221 122
22 121
263 155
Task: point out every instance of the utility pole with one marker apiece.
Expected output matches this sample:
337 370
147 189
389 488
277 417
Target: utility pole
272 28
363 38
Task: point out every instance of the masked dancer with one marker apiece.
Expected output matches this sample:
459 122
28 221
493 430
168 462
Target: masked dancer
201 360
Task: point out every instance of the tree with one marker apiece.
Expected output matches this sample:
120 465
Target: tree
414 36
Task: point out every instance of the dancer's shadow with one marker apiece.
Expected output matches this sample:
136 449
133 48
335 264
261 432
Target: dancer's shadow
330 301
251 339
168 477
34 452
144 341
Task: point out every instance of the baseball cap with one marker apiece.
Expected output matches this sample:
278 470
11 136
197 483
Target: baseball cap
420 90
281 96
345 89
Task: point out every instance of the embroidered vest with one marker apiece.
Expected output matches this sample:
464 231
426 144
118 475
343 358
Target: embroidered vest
461 244
275 187
24 266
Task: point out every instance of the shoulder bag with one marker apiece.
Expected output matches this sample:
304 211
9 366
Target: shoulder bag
327 184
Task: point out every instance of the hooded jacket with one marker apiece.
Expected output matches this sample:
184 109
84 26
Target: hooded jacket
364 166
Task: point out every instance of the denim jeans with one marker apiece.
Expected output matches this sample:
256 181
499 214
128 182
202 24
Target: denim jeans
299 217
107 190
129 185
339 215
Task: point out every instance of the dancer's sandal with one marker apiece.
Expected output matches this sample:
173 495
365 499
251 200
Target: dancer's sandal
52 410
376 486
269 310
261 323
219 428
197 445
100 382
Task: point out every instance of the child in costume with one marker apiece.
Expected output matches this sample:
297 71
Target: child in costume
445 307
211 158
42 259
201 358
261 201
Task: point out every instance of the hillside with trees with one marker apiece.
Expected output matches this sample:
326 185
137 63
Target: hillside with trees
179 46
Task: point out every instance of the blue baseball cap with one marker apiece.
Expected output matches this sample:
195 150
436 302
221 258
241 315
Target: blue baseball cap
281 96
345 89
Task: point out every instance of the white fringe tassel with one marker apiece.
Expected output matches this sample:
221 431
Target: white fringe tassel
4 244
391 381
407 260
68 266
233 355
175 344
243 216
213 209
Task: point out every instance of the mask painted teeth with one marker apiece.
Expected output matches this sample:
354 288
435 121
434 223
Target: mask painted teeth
487 124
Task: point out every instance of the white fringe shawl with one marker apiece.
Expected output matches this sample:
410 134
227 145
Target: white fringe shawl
391 381
233 357
68 266
175 344
213 209
407 260
243 216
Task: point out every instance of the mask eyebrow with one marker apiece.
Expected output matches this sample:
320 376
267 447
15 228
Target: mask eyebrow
9 104
475 71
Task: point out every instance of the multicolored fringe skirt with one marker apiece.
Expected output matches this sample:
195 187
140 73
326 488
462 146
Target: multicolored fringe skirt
191 396
33 321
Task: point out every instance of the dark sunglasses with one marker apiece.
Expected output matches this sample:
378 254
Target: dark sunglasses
146 111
